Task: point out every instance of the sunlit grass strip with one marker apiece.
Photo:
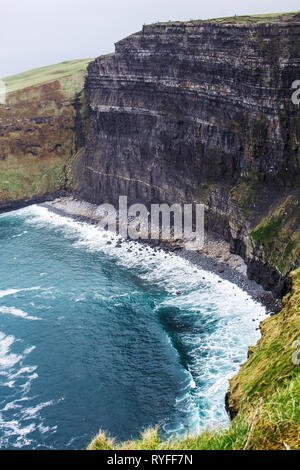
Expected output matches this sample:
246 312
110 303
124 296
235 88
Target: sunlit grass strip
45 74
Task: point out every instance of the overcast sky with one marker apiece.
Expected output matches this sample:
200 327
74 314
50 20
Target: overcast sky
34 33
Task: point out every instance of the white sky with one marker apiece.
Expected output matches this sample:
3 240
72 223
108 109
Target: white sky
34 33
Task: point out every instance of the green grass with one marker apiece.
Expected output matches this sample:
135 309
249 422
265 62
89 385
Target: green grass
269 362
277 236
34 178
267 231
289 248
245 19
43 75
257 18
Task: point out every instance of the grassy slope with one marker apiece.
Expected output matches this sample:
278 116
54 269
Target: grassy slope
270 371
268 386
37 138
278 235
275 235
44 75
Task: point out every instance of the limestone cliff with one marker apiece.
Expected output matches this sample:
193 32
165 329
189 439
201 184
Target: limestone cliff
202 111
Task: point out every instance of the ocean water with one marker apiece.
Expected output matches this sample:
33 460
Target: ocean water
93 336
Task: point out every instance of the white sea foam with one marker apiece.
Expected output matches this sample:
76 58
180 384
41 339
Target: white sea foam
33 411
227 316
20 234
29 350
4 293
7 359
16 312
19 377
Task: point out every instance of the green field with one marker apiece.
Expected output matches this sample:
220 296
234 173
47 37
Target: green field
45 74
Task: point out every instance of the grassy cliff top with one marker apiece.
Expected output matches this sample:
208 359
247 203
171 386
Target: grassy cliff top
249 19
264 18
44 75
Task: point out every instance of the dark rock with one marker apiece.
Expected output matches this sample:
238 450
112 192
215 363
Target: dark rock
229 410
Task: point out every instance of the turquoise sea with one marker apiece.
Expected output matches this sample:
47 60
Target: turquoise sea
93 336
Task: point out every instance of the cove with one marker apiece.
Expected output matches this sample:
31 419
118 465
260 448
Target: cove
93 336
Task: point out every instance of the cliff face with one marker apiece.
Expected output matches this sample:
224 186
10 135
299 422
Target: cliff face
202 111
38 132
198 111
